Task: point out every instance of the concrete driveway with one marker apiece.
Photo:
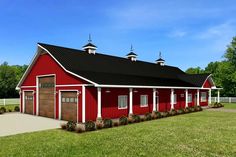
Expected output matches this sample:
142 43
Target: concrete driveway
15 123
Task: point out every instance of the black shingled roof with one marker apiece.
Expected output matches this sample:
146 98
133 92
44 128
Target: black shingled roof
90 44
111 70
131 54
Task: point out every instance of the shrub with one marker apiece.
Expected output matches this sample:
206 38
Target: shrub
158 114
172 112
107 123
90 126
3 109
142 119
79 129
180 111
99 124
130 119
154 116
192 109
9 110
136 118
116 123
164 114
70 126
17 108
123 120
63 126
186 110
148 116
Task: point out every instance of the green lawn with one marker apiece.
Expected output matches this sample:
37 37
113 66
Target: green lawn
197 134
12 107
230 105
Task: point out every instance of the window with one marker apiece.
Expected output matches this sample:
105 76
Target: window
28 97
63 100
122 101
46 85
143 100
190 98
69 99
203 96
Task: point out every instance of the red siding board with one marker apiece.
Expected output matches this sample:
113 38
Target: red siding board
45 64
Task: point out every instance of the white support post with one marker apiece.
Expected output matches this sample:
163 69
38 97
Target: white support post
172 99
154 100
209 97
230 100
218 96
186 98
198 96
99 115
83 104
130 101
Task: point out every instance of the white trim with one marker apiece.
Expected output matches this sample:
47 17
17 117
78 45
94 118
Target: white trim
186 98
65 68
28 87
136 86
24 100
20 92
130 101
218 96
72 85
37 89
172 98
209 97
198 96
83 104
99 105
211 80
28 69
154 100
59 105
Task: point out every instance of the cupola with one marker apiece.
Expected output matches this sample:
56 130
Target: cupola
160 61
90 48
131 56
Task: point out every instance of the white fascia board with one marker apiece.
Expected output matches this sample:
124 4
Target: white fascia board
65 68
211 80
135 86
28 69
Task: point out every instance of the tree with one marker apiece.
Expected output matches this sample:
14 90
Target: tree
196 70
9 77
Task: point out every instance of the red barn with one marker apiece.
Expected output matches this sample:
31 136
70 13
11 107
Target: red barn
80 85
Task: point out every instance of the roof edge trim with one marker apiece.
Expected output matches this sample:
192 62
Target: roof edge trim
65 68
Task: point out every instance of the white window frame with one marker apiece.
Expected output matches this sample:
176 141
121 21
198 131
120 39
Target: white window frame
145 98
190 96
126 101
205 97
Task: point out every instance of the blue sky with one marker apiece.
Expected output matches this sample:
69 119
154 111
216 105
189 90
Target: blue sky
189 33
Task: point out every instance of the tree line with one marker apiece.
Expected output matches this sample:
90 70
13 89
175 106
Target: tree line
9 78
223 72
